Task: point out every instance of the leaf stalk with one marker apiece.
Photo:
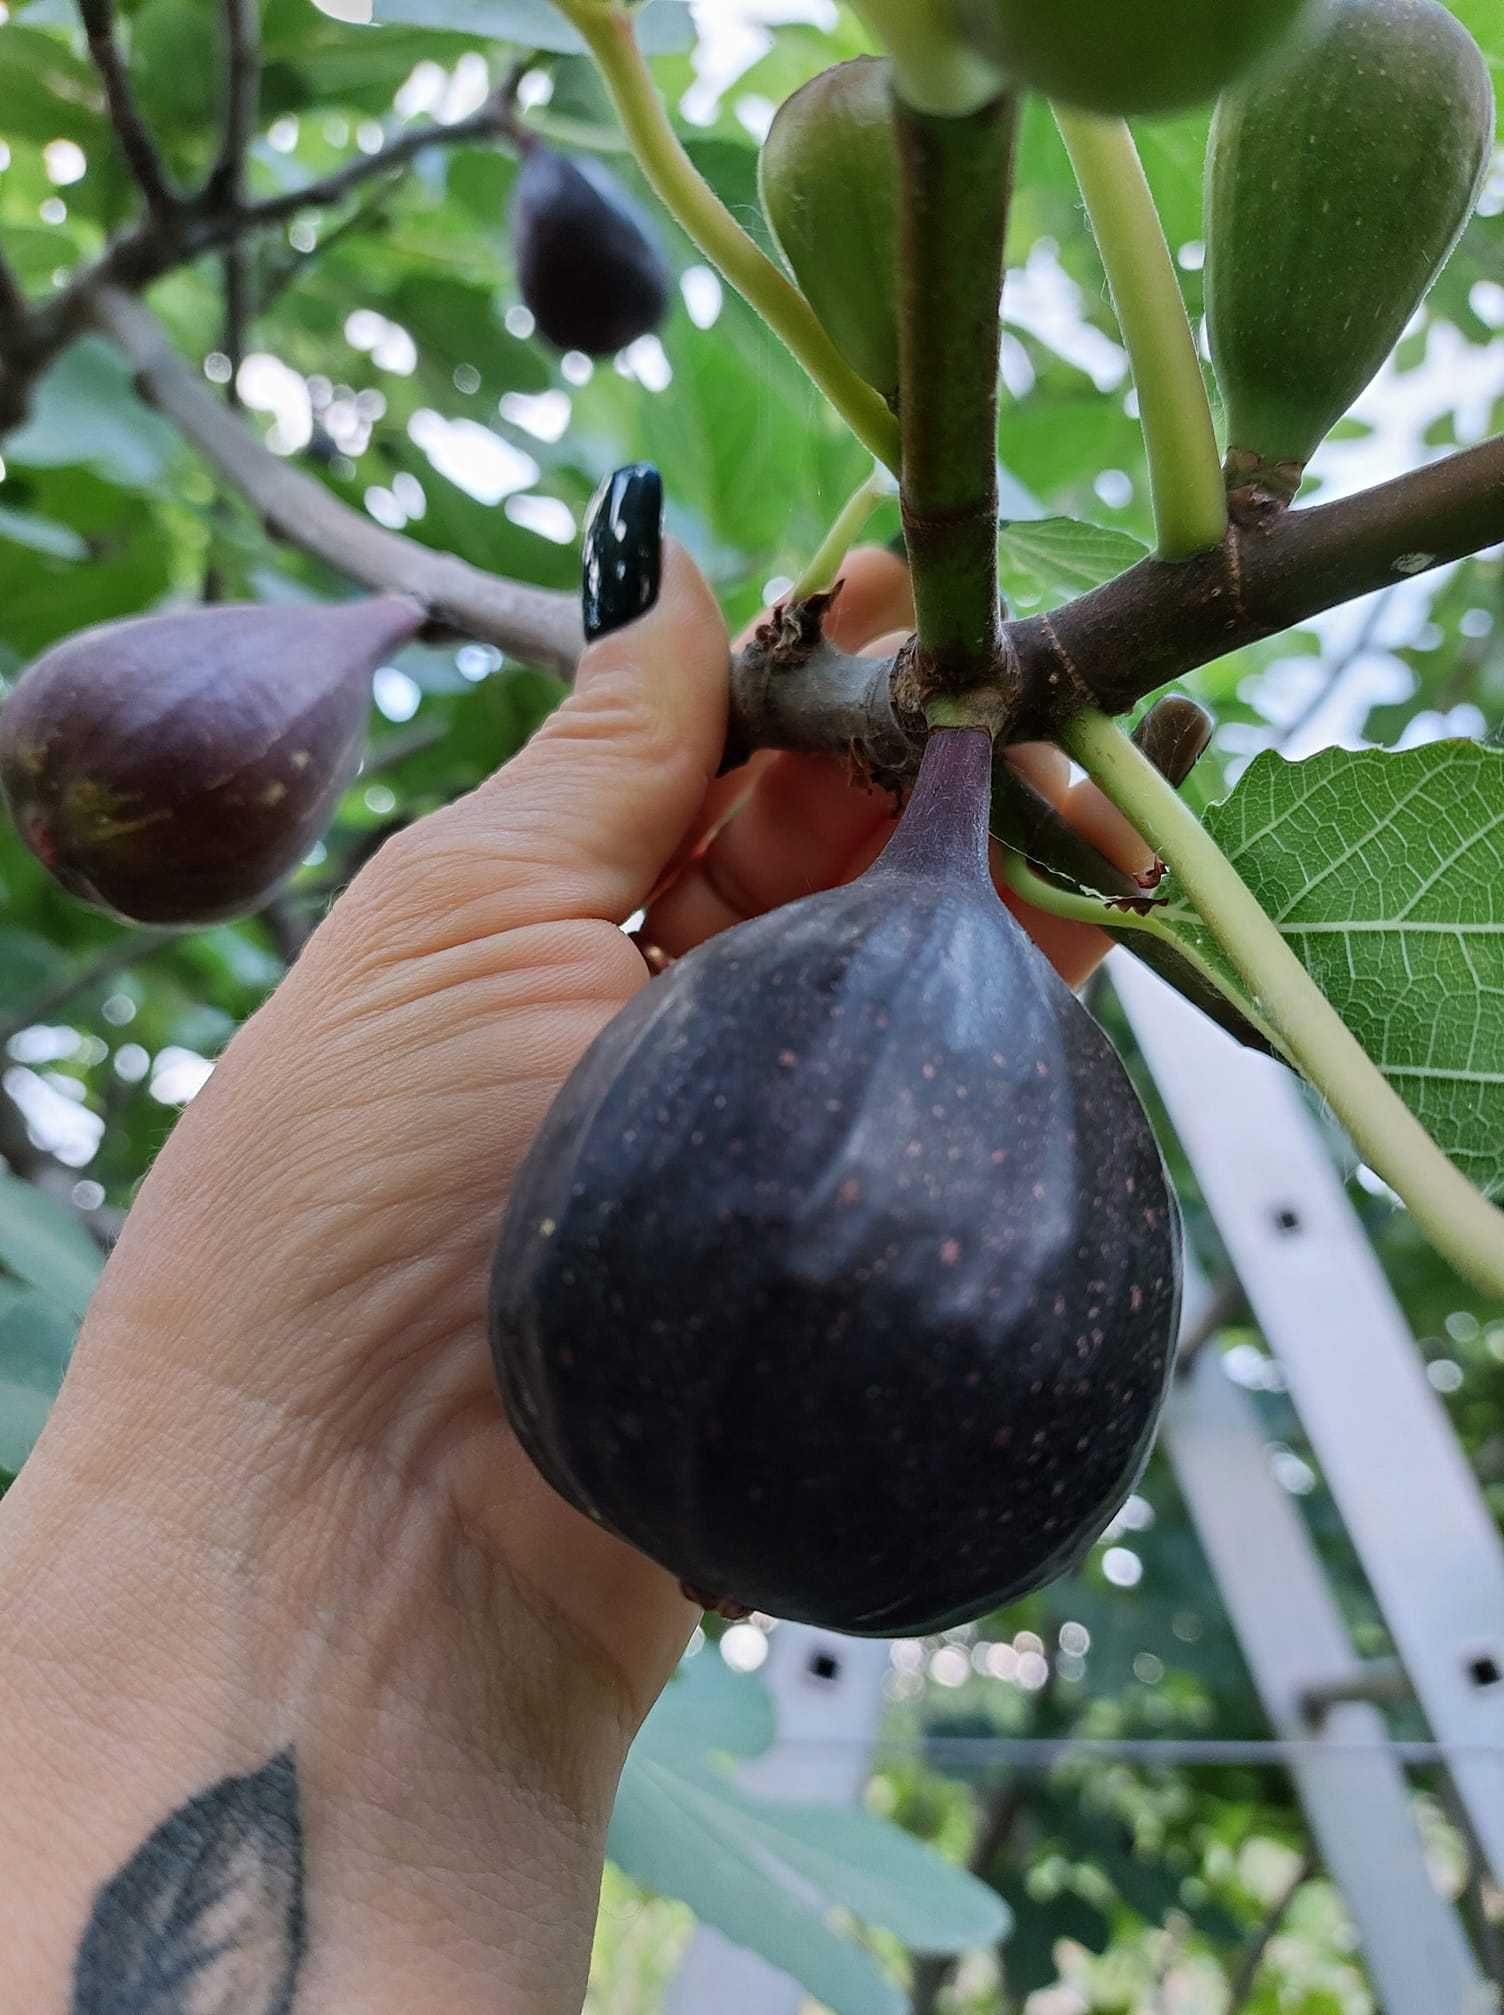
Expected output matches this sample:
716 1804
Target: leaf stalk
1457 1218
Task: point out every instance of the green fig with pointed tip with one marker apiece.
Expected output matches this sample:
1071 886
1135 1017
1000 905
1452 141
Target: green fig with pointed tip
1339 179
828 178
1114 57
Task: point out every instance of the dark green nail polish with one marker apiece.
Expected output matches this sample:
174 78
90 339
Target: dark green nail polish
623 550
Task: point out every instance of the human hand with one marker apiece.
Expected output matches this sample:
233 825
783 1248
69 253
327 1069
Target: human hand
280 1439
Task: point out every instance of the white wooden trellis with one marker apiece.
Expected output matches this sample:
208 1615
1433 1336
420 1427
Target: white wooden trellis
1413 1511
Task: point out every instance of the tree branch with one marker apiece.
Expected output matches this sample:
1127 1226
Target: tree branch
1116 644
1161 620
136 144
157 245
225 187
1108 648
1245 1979
492 121
527 622
13 304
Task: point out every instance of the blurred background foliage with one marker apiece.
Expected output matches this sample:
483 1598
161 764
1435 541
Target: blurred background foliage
390 354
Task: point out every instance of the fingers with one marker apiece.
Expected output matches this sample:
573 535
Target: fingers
581 822
804 823
699 892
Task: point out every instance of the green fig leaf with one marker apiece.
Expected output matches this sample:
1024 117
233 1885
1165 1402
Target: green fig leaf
36 1336
41 535
1043 562
664 27
85 410
1384 871
44 1245
764 1871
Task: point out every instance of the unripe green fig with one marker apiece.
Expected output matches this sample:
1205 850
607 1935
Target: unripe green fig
175 769
843 1277
588 263
1116 57
828 178
1338 181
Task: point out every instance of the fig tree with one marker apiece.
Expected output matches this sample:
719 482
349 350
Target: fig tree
828 179
588 263
1114 57
1339 178
843 1277
174 769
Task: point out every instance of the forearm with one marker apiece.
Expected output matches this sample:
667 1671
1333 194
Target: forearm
285 1786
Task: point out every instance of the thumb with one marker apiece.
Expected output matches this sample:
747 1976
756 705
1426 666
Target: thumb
582 821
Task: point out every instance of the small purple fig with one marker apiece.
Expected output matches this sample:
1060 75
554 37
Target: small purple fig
587 263
174 769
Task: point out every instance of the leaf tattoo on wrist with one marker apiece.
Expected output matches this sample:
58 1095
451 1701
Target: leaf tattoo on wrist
207 1917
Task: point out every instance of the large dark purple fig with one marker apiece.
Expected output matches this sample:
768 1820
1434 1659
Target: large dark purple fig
843 1277
587 264
173 769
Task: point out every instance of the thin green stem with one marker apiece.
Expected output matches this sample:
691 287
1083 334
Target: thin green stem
1185 470
689 199
934 69
1458 1219
1043 895
843 535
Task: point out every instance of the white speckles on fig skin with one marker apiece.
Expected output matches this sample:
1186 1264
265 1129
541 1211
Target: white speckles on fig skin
855 1217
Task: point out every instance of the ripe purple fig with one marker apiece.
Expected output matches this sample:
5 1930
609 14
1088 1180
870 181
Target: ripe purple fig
174 769
843 1278
588 264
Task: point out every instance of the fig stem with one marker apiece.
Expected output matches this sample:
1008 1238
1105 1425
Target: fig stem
1185 472
609 34
955 180
944 827
1457 1218
848 527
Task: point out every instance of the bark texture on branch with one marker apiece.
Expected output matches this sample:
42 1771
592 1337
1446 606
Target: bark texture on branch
1162 619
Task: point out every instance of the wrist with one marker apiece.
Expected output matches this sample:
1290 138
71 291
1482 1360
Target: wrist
174 1625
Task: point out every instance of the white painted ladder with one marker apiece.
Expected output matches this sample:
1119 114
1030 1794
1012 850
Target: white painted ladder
1416 1517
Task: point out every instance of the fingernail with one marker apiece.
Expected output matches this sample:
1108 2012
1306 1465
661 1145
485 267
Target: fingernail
1175 734
623 550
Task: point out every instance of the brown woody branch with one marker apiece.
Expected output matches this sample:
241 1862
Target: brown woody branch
136 143
194 226
225 187
13 304
1161 620
494 120
791 689
528 622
